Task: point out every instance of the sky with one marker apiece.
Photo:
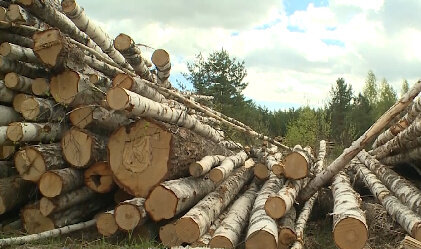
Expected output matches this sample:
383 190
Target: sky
294 50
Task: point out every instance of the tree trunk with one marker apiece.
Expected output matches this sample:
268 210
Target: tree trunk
42 110
349 225
8 115
62 202
133 55
82 148
105 224
262 171
301 222
130 214
19 29
32 161
6 95
262 231
219 173
17 14
60 181
139 86
78 17
409 243
97 117
16 39
297 164
197 221
41 87
15 52
403 215
14 191
146 153
73 88
18 83
18 100
7 169
34 132
99 178
359 144
168 236
286 229
205 239
173 197
404 157
22 68
402 188
161 59
228 233
122 99
203 166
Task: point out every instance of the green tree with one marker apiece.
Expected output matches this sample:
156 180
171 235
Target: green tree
361 116
387 97
404 87
370 89
303 130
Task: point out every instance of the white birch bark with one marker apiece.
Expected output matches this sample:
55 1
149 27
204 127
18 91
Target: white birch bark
205 239
34 132
18 83
8 115
22 68
130 213
222 171
6 95
97 117
139 86
122 99
262 232
301 222
16 39
42 110
59 181
286 229
161 59
17 14
197 221
203 166
404 157
359 144
18 53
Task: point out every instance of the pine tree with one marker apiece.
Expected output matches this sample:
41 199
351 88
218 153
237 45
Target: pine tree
370 89
405 87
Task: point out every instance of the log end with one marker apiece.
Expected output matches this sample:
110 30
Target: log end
99 178
195 169
77 147
261 171
30 164
18 100
417 232
14 132
127 216
30 108
161 204
122 42
81 116
48 45
220 241
117 98
64 87
287 236
261 239
5 49
40 87
11 80
296 166
160 57
187 230
68 6
50 184
275 207
46 206
168 236
278 169
123 80
216 175
350 233
34 222
106 225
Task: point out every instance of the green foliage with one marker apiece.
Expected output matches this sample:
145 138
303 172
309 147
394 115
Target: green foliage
370 88
303 130
404 87
387 97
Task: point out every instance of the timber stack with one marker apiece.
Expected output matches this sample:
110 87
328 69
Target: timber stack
93 133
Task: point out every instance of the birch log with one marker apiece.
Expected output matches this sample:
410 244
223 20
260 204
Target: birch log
403 215
6 95
146 153
297 164
18 53
32 161
18 82
203 166
17 14
133 55
34 132
18 100
205 239
168 236
197 221
105 223
173 197
222 171
8 115
82 148
349 224
139 86
401 187
404 157
41 110
16 39
359 144
130 214
122 99
64 201
22 68
98 118
14 191
287 234
301 222
161 59
262 232
6 151
59 181
228 233
99 177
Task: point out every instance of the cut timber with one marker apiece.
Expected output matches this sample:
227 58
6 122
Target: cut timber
133 55
16 39
105 223
14 191
56 182
297 164
262 232
34 132
301 222
97 117
323 177
22 68
130 214
41 87
59 203
349 225
6 151
41 110
8 115
99 177
168 236
261 171
99 79
122 99
18 100
409 243
228 233
197 221
401 187
6 95
286 229
19 15
7 169
203 166
173 197
78 17
146 153
82 148
19 29
73 88
222 171
137 85
403 215
404 157
204 240
18 82
270 162
18 53
32 161
161 59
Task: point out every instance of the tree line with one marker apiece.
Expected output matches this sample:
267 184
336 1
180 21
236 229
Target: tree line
345 117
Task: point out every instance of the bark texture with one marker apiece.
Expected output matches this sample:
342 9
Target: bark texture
139 86
6 95
60 181
286 228
222 171
14 191
130 214
34 132
8 115
302 221
97 117
203 166
18 83
22 68
41 110
18 53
